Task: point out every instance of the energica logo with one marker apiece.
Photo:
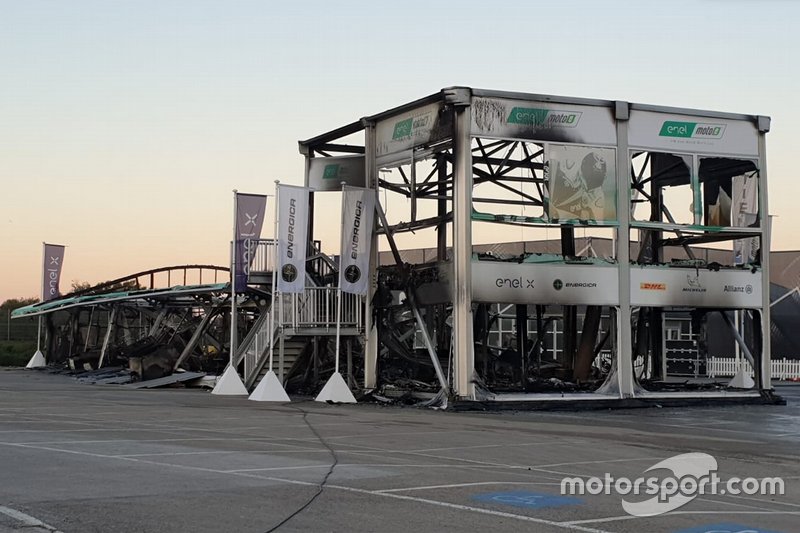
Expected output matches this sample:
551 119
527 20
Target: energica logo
289 273
546 118
691 130
352 274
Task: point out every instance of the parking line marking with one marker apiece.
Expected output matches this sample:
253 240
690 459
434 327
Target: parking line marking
672 513
26 519
472 484
502 514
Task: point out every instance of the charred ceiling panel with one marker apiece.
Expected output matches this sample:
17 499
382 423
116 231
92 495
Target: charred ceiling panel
398 136
542 121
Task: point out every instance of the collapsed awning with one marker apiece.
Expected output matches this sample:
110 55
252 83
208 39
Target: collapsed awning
61 304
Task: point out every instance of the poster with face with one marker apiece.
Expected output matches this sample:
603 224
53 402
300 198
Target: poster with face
582 183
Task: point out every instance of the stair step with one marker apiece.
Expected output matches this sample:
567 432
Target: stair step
293 347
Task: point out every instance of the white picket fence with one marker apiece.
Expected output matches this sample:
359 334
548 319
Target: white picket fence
726 366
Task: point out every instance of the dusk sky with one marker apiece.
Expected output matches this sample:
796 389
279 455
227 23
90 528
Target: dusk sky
124 126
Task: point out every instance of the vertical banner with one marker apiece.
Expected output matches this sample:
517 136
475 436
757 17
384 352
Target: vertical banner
51 270
292 237
249 221
358 213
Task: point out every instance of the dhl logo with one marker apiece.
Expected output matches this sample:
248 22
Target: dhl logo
653 286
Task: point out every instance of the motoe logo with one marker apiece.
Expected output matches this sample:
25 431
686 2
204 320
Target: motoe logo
406 128
331 172
402 129
691 130
547 118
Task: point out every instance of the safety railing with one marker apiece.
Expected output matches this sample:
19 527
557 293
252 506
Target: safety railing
254 344
263 253
316 307
322 265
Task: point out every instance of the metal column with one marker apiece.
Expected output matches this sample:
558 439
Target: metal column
625 378
766 246
463 349
370 329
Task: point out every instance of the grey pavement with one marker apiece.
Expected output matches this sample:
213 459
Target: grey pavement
103 458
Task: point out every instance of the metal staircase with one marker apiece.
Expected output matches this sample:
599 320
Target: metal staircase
283 360
298 317
254 345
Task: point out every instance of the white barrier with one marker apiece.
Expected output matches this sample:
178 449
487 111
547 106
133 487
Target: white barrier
726 367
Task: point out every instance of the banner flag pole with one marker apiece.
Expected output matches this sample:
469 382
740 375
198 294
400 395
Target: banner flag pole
336 390
233 281
275 269
270 389
338 326
230 383
38 359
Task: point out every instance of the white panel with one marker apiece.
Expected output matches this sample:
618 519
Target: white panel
358 211
292 237
685 133
521 119
659 286
328 173
544 283
396 136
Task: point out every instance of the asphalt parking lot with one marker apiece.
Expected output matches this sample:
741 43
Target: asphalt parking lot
103 458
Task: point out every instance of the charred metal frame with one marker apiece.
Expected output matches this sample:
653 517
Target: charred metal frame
472 167
137 320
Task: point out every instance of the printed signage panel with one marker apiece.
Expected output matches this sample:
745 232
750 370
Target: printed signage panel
328 173
51 266
532 283
540 121
249 221
396 136
658 287
358 212
685 133
582 183
292 237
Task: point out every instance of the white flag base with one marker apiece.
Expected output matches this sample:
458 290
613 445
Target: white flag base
335 390
37 360
741 380
230 384
270 390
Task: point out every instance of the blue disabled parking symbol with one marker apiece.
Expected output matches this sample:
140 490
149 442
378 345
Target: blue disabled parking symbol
529 500
726 528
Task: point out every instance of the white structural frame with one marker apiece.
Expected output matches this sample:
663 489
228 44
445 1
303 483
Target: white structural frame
461 100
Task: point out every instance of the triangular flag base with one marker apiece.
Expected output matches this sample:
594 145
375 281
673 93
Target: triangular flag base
269 390
37 360
741 380
335 390
230 384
